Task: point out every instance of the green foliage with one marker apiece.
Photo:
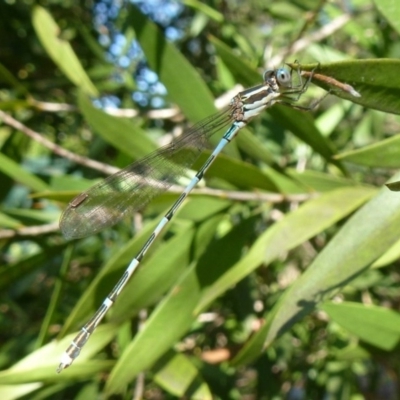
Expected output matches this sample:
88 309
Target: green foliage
278 277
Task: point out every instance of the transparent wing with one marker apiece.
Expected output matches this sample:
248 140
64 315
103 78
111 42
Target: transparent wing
130 189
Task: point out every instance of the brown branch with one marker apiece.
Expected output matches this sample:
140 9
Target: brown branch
87 162
303 43
332 81
29 230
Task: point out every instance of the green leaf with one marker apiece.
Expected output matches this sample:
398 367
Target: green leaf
7 77
177 374
375 325
253 146
308 220
21 175
60 51
242 174
377 81
174 312
302 125
145 278
394 186
390 9
8 222
185 86
29 215
384 154
120 132
42 363
159 273
12 392
319 181
391 255
243 71
205 9
353 353
364 238
22 268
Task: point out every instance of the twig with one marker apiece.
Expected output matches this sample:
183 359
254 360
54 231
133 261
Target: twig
249 196
223 194
309 19
51 107
172 113
166 113
332 81
29 230
303 43
107 169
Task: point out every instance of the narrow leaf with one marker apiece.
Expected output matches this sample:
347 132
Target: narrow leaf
390 9
384 154
120 132
375 325
60 51
363 239
21 175
377 80
177 374
176 73
296 227
112 271
42 363
176 313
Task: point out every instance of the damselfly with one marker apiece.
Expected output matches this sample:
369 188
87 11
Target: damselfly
131 188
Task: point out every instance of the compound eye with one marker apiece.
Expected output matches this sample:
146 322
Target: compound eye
283 77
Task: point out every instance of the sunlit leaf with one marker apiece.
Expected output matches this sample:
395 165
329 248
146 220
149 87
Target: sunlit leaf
60 50
179 376
20 174
377 81
391 11
313 217
375 325
363 239
120 132
385 154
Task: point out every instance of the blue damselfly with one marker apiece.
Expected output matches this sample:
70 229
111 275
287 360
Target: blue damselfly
131 188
